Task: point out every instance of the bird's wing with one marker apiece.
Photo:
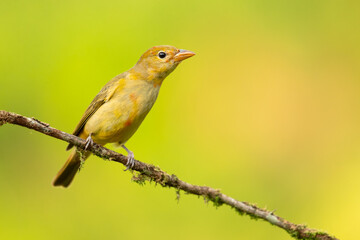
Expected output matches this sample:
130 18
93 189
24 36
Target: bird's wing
102 97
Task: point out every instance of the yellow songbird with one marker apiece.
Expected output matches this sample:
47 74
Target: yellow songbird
122 104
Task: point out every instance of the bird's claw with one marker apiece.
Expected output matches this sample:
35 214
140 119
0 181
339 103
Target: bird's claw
130 161
130 158
88 142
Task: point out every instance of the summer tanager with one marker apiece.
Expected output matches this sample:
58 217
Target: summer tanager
122 104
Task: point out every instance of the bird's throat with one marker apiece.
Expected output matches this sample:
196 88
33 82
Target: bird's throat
148 74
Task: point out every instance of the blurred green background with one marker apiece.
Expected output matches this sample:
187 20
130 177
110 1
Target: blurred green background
268 111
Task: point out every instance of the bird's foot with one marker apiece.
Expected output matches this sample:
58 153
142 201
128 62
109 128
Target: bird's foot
130 162
130 159
88 142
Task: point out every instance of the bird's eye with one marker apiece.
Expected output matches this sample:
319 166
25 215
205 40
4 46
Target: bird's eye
162 54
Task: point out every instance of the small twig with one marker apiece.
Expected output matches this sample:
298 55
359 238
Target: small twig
152 173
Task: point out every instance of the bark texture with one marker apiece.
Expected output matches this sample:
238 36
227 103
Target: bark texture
147 172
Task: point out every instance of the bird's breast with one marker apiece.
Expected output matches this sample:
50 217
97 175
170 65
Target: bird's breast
119 118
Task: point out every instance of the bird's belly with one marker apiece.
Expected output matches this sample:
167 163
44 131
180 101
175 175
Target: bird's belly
118 119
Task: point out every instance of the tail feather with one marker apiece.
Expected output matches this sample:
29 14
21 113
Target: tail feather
69 170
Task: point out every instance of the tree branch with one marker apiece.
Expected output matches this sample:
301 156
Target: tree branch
148 172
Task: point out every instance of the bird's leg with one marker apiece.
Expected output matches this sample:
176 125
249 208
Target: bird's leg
131 160
88 142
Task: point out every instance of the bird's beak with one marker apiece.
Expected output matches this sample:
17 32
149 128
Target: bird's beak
182 55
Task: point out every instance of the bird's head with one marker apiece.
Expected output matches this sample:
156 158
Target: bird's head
158 62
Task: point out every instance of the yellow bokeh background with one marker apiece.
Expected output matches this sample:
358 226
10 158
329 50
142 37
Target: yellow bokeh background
268 111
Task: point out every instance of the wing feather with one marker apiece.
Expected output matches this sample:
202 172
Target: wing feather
102 97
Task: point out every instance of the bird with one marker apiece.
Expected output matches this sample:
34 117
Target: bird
119 108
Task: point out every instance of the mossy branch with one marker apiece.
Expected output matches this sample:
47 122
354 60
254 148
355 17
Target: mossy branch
148 172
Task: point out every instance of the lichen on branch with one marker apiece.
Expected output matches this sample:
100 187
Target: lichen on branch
147 172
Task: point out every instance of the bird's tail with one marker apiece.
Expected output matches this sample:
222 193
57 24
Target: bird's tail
69 170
